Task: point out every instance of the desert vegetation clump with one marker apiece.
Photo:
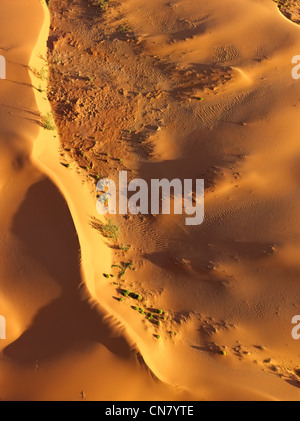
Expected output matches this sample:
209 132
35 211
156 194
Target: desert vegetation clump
47 122
99 3
110 230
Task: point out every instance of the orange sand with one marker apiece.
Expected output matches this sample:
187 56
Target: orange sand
230 284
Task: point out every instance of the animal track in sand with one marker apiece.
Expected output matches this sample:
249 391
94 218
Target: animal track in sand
209 328
257 355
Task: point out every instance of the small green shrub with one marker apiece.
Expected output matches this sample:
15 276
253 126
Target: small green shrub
40 74
125 247
136 296
110 230
47 122
124 267
125 292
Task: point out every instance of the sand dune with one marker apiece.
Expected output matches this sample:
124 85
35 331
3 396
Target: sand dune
181 89
59 340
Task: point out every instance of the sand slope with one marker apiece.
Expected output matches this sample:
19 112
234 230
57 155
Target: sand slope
60 343
230 284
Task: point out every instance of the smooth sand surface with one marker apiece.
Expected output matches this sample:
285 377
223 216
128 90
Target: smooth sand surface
229 286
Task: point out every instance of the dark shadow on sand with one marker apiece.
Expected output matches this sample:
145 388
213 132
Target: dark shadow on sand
71 322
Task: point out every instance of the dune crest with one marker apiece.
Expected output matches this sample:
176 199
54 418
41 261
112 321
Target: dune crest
181 89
